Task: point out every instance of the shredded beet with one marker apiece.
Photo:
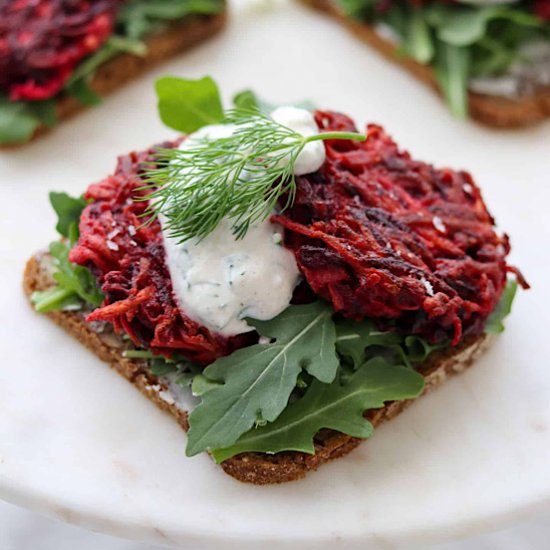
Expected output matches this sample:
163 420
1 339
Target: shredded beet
542 9
42 41
128 260
377 234
386 237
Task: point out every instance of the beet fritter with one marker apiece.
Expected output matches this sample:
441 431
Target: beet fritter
383 236
374 232
128 259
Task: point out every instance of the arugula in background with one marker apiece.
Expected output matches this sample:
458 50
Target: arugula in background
460 42
19 120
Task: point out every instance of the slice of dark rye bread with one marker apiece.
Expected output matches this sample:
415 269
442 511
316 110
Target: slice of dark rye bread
493 111
113 74
257 468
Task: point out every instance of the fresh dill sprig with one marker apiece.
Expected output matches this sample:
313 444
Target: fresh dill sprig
240 177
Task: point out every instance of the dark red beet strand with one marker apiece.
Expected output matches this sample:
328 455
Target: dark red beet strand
128 260
42 41
386 237
377 234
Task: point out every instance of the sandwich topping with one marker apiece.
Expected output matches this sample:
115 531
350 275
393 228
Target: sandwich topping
386 237
41 42
310 267
52 48
219 280
489 47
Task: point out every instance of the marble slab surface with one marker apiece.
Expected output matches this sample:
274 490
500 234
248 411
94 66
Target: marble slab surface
80 444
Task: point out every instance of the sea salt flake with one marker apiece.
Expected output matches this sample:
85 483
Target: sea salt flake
438 224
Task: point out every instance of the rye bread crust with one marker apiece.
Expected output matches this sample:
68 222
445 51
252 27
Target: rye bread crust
113 74
256 468
499 112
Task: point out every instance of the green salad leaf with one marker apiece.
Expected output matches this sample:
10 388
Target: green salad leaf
139 18
451 70
336 406
250 101
359 342
418 41
76 285
255 383
374 367
68 210
115 45
187 105
19 119
494 323
459 41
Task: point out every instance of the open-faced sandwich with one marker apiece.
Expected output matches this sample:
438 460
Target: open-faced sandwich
58 56
490 59
304 281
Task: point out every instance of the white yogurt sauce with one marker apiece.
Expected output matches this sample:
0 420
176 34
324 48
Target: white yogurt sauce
218 281
313 154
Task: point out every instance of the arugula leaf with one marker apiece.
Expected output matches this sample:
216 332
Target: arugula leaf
19 119
187 105
141 17
466 26
81 90
75 284
418 40
114 46
362 341
17 123
494 323
335 406
354 338
256 382
451 71
201 385
459 42
249 100
68 210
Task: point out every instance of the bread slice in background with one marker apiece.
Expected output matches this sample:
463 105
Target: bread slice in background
256 468
494 111
119 70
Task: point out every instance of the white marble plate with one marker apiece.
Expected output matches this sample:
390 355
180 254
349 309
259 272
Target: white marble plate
79 443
